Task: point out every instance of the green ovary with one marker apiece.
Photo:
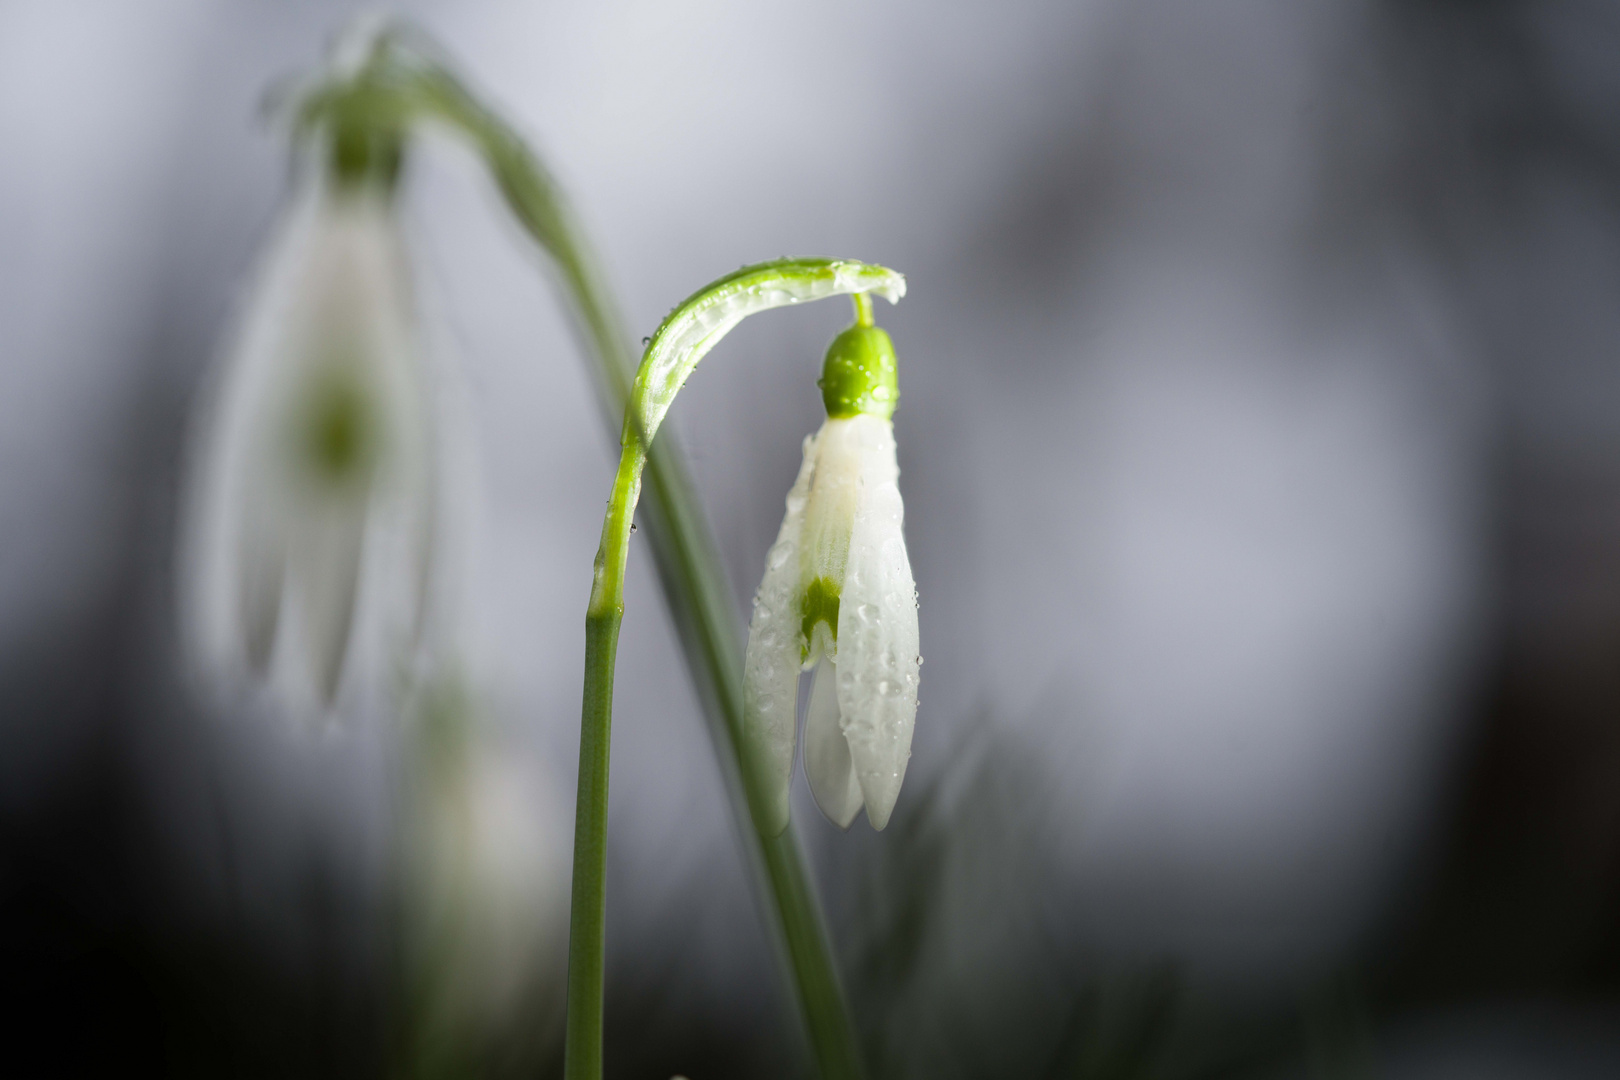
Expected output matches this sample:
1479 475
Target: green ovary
859 375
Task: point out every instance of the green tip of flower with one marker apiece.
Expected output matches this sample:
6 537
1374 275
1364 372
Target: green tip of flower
860 375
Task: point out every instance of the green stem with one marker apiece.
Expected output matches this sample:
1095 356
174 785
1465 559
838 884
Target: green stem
863 309
587 941
587 925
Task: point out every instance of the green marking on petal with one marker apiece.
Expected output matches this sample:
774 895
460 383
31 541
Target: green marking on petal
820 604
338 430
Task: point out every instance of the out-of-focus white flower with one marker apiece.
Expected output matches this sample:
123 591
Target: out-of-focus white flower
838 598
311 502
487 864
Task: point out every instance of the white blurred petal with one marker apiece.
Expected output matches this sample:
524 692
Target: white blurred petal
312 479
487 908
827 764
232 554
771 664
326 566
877 628
261 572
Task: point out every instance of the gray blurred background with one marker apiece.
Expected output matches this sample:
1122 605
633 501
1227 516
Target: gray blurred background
1260 441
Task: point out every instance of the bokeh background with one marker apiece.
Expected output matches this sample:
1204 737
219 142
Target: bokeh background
1260 441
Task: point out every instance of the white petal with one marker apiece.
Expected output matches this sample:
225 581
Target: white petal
771 665
877 629
326 566
365 522
831 509
233 545
371 278
261 571
827 764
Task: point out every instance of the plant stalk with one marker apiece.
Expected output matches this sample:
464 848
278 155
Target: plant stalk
587 924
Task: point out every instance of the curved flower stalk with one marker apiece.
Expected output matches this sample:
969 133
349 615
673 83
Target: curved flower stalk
684 337
838 599
312 510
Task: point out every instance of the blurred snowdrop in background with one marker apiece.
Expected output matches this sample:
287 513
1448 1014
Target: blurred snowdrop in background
485 904
315 491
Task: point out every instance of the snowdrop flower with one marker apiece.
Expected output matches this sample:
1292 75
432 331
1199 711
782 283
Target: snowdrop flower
312 497
838 599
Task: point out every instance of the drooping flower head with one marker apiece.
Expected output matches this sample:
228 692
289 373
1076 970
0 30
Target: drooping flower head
838 600
312 491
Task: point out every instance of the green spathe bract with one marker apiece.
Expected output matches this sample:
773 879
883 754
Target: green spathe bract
697 325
